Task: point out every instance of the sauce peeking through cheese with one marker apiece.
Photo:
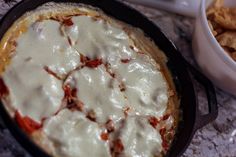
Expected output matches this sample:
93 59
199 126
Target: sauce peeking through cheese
26 123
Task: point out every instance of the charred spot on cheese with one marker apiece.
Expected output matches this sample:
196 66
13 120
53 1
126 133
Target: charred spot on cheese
132 47
125 60
126 111
91 115
122 87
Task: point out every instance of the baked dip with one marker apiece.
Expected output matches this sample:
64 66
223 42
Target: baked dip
82 84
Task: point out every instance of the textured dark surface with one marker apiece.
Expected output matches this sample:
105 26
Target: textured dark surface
217 139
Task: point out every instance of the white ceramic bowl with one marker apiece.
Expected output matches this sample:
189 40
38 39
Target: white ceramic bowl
216 64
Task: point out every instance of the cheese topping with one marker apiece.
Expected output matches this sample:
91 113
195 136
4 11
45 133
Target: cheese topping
88 87
146 89
99 39
45 45
75 135
99 92
32 91
139 138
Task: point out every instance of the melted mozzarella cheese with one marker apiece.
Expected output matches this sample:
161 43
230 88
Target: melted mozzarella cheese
139 138
98 39
75 136
45 45
99 92
146 88
33 92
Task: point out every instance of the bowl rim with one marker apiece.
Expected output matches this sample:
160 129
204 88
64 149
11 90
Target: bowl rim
211 38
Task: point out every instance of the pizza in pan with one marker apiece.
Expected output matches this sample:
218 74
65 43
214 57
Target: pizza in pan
80 83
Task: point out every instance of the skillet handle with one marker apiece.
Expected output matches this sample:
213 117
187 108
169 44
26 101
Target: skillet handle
202 120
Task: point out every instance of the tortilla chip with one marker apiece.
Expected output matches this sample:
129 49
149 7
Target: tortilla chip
210 14
218 4
226 17
227 39
214 6
217 28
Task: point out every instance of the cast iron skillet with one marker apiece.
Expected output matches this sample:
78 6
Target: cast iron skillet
180 69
